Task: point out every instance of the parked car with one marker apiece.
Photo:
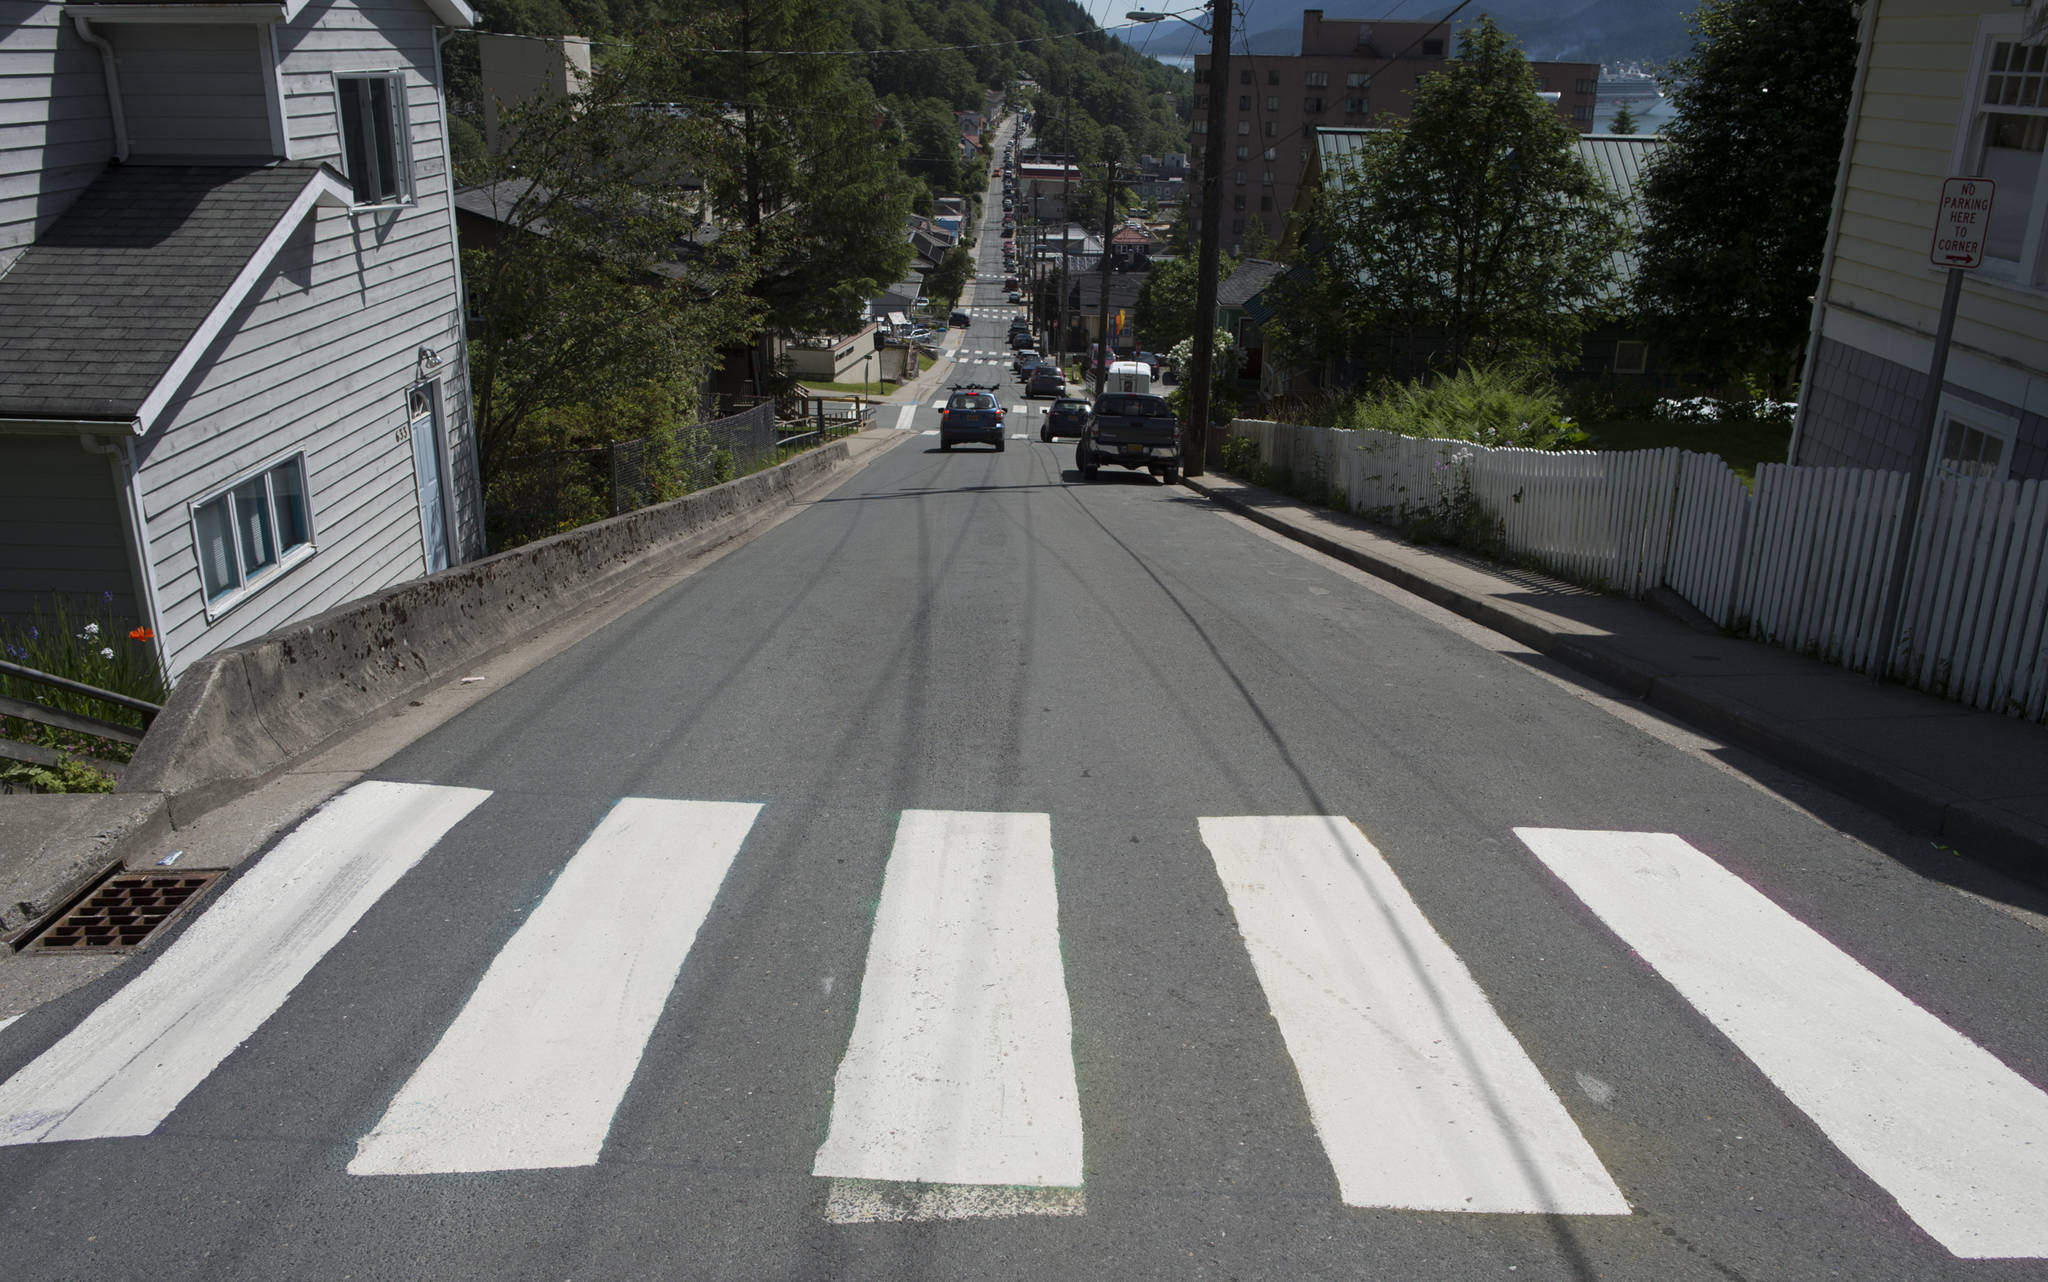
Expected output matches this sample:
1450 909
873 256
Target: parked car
921 335
1009 282
1045 380
1067 417
960 319
1021 338
1016 297
1130 430
971 414
1021 357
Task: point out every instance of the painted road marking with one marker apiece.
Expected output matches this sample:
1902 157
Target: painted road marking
9 1020
531 1072
960 1070
1957 1137
134 1059
1422 1097
930 431
903 416
938 405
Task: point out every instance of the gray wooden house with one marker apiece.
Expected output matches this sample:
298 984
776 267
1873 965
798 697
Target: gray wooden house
232 384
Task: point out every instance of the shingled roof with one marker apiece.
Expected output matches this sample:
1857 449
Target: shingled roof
130 283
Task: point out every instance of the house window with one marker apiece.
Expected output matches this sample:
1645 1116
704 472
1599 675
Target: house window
1272 128
1243 127
1244 77
374 137
1354 106
1582 113
1318 80
1201 102
1237 226
250 530
1272 153
1272 102
1244 102
1358 80
1973 441
1244 153
2007 130
1432 48
1200 126
1265 204
1267 181
1272 77
1240 177
1240 204
1631 357
1585 86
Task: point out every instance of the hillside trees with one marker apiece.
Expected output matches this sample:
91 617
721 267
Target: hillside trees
1471 232
1735 209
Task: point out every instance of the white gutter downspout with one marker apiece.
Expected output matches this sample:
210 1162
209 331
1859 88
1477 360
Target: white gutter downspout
99 42
120 453
476 485
1865 37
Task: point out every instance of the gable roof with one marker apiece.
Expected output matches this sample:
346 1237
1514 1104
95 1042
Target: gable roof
103 317
1247 282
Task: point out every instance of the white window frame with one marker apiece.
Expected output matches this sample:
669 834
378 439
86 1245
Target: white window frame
283 559
1637 350
1995 424
401 133
2031 268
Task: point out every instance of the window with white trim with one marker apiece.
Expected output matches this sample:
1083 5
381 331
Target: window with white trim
2005 139
1973 441
251 530
375 137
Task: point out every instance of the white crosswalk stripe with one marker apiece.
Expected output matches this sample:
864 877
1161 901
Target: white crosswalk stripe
960 1070
1422 1097
1956 1136
531 1072
133 1060
957 1097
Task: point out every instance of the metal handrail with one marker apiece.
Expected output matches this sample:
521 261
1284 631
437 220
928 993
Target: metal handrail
143 706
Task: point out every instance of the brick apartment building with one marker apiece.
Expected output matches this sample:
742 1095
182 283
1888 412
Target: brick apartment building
1348 73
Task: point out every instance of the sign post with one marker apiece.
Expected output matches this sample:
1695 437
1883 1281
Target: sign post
1961 224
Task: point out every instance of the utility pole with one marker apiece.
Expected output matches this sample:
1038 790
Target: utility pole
1059 322
1102 313
1195 456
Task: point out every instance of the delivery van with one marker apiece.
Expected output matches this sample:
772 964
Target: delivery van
1129 376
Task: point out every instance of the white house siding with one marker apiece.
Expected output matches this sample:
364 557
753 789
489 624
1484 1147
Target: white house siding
192 89
60 528
55 133
319 359
1882 296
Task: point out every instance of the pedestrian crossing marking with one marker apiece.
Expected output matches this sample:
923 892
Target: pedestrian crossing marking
1422 1097
903 416
531 1072
960 1069
1957 1137
142 1051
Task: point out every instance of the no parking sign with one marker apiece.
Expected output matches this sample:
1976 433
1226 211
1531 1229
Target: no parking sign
1964 220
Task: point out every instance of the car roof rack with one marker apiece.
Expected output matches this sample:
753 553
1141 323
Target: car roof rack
973 387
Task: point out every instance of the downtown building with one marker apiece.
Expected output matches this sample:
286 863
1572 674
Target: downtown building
1348 73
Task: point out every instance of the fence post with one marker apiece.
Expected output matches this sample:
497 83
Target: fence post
611 458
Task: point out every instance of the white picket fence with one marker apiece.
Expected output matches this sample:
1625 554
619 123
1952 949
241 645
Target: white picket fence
1801 563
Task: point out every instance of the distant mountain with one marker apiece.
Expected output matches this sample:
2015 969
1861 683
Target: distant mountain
1605 31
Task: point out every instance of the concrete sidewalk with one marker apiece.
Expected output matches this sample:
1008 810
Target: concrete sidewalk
1974 781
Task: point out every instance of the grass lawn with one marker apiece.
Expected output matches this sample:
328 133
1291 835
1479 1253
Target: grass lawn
1742 444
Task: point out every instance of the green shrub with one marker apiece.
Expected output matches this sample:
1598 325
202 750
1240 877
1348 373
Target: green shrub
1488 405
82 640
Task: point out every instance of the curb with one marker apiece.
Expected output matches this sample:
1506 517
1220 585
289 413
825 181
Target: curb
2000 839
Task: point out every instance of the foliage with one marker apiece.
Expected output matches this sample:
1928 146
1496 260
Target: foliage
1471 232
68 775
792 156
945 285
1489 405
1224 397
597 287
1166 301
86 641
1624 122
1736 205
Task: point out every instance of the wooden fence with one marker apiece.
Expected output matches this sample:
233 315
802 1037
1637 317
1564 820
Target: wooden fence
1801 563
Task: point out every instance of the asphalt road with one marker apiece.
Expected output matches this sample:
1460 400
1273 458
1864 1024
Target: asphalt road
978 924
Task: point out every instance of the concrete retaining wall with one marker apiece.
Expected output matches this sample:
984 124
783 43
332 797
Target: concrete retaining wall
243 714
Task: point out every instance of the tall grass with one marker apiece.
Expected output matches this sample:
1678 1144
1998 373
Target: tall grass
1485 404
83 640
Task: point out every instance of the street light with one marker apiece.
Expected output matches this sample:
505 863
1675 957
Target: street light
1195 456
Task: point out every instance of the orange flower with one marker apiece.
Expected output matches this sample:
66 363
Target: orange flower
141 634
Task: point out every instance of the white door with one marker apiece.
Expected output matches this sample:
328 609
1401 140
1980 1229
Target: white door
423 408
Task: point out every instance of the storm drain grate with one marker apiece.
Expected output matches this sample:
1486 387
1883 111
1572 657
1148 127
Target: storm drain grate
121 911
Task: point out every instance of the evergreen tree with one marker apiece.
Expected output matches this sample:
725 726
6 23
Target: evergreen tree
1624 121
1735 208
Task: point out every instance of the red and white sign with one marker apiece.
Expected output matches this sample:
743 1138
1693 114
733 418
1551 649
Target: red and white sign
1964 221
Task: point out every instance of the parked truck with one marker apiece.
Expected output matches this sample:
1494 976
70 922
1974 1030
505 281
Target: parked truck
1133 430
